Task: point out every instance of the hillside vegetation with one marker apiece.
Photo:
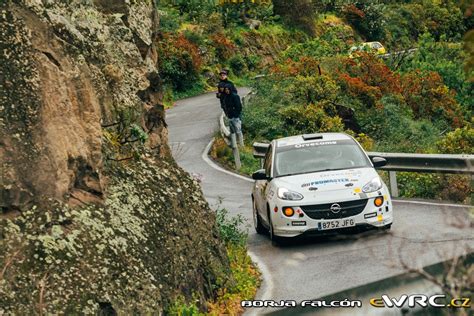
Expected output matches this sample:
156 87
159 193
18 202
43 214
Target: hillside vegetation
95 215
417 102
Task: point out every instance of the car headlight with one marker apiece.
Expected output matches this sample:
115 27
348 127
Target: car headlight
373 185
286 194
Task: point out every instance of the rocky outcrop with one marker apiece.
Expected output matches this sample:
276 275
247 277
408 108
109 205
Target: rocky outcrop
95 214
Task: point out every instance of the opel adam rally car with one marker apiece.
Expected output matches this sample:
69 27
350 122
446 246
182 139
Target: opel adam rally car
318 184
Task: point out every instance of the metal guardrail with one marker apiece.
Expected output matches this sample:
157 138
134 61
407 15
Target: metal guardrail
438 163
399 53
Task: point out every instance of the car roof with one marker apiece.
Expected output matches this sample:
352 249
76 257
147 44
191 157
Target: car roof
298 139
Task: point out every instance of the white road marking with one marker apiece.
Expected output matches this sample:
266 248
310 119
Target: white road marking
268 282
213 164
431 203
268 289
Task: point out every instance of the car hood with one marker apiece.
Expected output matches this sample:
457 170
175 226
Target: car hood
329 186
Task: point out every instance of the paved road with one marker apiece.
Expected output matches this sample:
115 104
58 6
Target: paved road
422 233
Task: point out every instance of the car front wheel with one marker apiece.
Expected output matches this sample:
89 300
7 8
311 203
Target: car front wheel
276 241
256 220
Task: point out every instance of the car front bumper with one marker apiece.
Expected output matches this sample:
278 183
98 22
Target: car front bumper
370 216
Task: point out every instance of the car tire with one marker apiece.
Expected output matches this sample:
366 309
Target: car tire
257 220
276 241
387 227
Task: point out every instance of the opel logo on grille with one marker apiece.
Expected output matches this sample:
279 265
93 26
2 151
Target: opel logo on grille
335 208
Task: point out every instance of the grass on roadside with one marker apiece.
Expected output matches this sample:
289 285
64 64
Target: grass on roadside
222 153
245 276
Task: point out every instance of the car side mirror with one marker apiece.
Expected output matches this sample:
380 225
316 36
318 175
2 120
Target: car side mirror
379 162
259 175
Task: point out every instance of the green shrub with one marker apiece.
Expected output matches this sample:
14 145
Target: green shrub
298 13
456 188
181 308
367 17
314 48
195 10
406 22
419 185
169 19
447 59
237 64
230 228
250 164
262 122
252 62
179 61
238 12
194 37
309 119
394 128
459 141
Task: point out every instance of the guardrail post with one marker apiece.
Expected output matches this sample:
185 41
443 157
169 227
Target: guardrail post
393 183
235 150
472 191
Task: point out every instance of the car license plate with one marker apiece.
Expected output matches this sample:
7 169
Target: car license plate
335 224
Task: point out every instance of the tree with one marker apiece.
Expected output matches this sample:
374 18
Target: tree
298 13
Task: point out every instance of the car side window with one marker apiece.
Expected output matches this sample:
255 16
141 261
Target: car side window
268 162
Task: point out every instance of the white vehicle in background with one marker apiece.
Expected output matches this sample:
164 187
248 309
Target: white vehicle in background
319 184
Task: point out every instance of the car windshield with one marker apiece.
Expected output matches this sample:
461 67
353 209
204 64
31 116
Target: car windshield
318 156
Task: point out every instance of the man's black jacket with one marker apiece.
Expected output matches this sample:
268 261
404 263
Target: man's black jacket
232 105
220 94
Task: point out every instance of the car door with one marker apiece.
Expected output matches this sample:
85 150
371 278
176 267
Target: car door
267 165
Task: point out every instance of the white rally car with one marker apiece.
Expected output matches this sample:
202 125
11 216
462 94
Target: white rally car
319 184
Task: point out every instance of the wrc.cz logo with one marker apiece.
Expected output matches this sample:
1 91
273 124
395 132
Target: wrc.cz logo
421 300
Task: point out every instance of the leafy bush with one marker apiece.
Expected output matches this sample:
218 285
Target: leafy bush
179 61
239 12
237 64
169 19
262 122
446 59
316 47
367 17
309 119
195 10
181 308
230 228
421 185
194 37
298 13
456 188
406 22
394 128
459 141
428 97
252 62
224 47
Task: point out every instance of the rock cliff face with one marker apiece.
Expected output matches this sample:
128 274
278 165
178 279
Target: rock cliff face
95 214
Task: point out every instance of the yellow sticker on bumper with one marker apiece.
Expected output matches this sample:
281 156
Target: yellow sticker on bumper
357 190
380 217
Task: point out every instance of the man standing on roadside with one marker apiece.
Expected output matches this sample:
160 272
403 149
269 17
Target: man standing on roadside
222 83
232 107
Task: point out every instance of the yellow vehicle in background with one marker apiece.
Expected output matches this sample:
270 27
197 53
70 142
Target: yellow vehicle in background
374 47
